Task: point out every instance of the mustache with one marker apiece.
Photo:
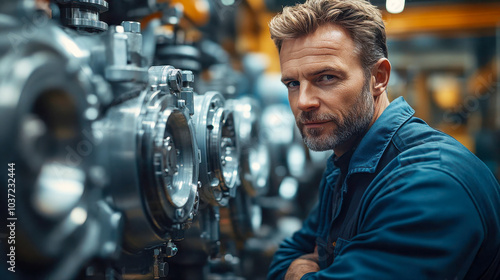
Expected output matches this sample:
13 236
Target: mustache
311 116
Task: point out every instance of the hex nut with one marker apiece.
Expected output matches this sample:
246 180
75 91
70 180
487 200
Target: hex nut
131 26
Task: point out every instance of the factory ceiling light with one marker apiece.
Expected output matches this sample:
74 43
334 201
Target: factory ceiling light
395 6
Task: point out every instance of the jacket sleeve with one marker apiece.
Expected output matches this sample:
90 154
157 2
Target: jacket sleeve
302 242
419 224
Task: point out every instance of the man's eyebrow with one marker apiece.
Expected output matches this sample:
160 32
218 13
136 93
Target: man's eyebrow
323 70
286 79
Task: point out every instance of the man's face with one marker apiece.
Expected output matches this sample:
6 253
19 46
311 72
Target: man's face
328 94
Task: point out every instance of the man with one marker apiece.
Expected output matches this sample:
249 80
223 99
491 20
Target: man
398 199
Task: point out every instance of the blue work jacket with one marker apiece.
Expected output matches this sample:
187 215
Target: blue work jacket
417 205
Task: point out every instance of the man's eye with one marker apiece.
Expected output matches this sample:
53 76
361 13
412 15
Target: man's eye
292 84
327 78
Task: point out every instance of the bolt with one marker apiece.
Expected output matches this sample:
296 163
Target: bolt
92 99
167 143
214 182
91 114
181 103
174 79
118 29
171 249
131 26
187 76
177 226
179 213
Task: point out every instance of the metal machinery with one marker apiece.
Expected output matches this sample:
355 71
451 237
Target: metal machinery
117 158
130 150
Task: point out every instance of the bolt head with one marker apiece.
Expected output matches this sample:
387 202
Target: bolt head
131 26
117 29
174 79
177 226
187 76
179 213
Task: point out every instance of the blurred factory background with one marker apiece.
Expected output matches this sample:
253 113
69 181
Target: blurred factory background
153 139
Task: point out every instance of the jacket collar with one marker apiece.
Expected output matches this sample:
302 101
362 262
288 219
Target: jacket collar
371 148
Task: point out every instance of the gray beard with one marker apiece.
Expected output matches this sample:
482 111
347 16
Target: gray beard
355 124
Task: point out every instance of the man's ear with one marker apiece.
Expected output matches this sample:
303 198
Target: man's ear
381 72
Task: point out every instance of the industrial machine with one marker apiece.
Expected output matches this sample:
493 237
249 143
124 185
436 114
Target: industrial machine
116 156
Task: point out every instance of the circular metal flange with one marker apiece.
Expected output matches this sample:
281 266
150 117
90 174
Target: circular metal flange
153 165
171 154
255 157
216 137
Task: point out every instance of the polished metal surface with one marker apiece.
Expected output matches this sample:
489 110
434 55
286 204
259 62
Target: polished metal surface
124 171
153 166
46 116
216 137
124 54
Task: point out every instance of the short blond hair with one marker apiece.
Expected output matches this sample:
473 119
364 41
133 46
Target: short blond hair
359 18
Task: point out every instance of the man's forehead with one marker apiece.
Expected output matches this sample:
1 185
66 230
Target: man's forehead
327 34
329 46
326 39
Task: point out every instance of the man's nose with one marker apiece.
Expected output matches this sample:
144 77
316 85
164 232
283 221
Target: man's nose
308 99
